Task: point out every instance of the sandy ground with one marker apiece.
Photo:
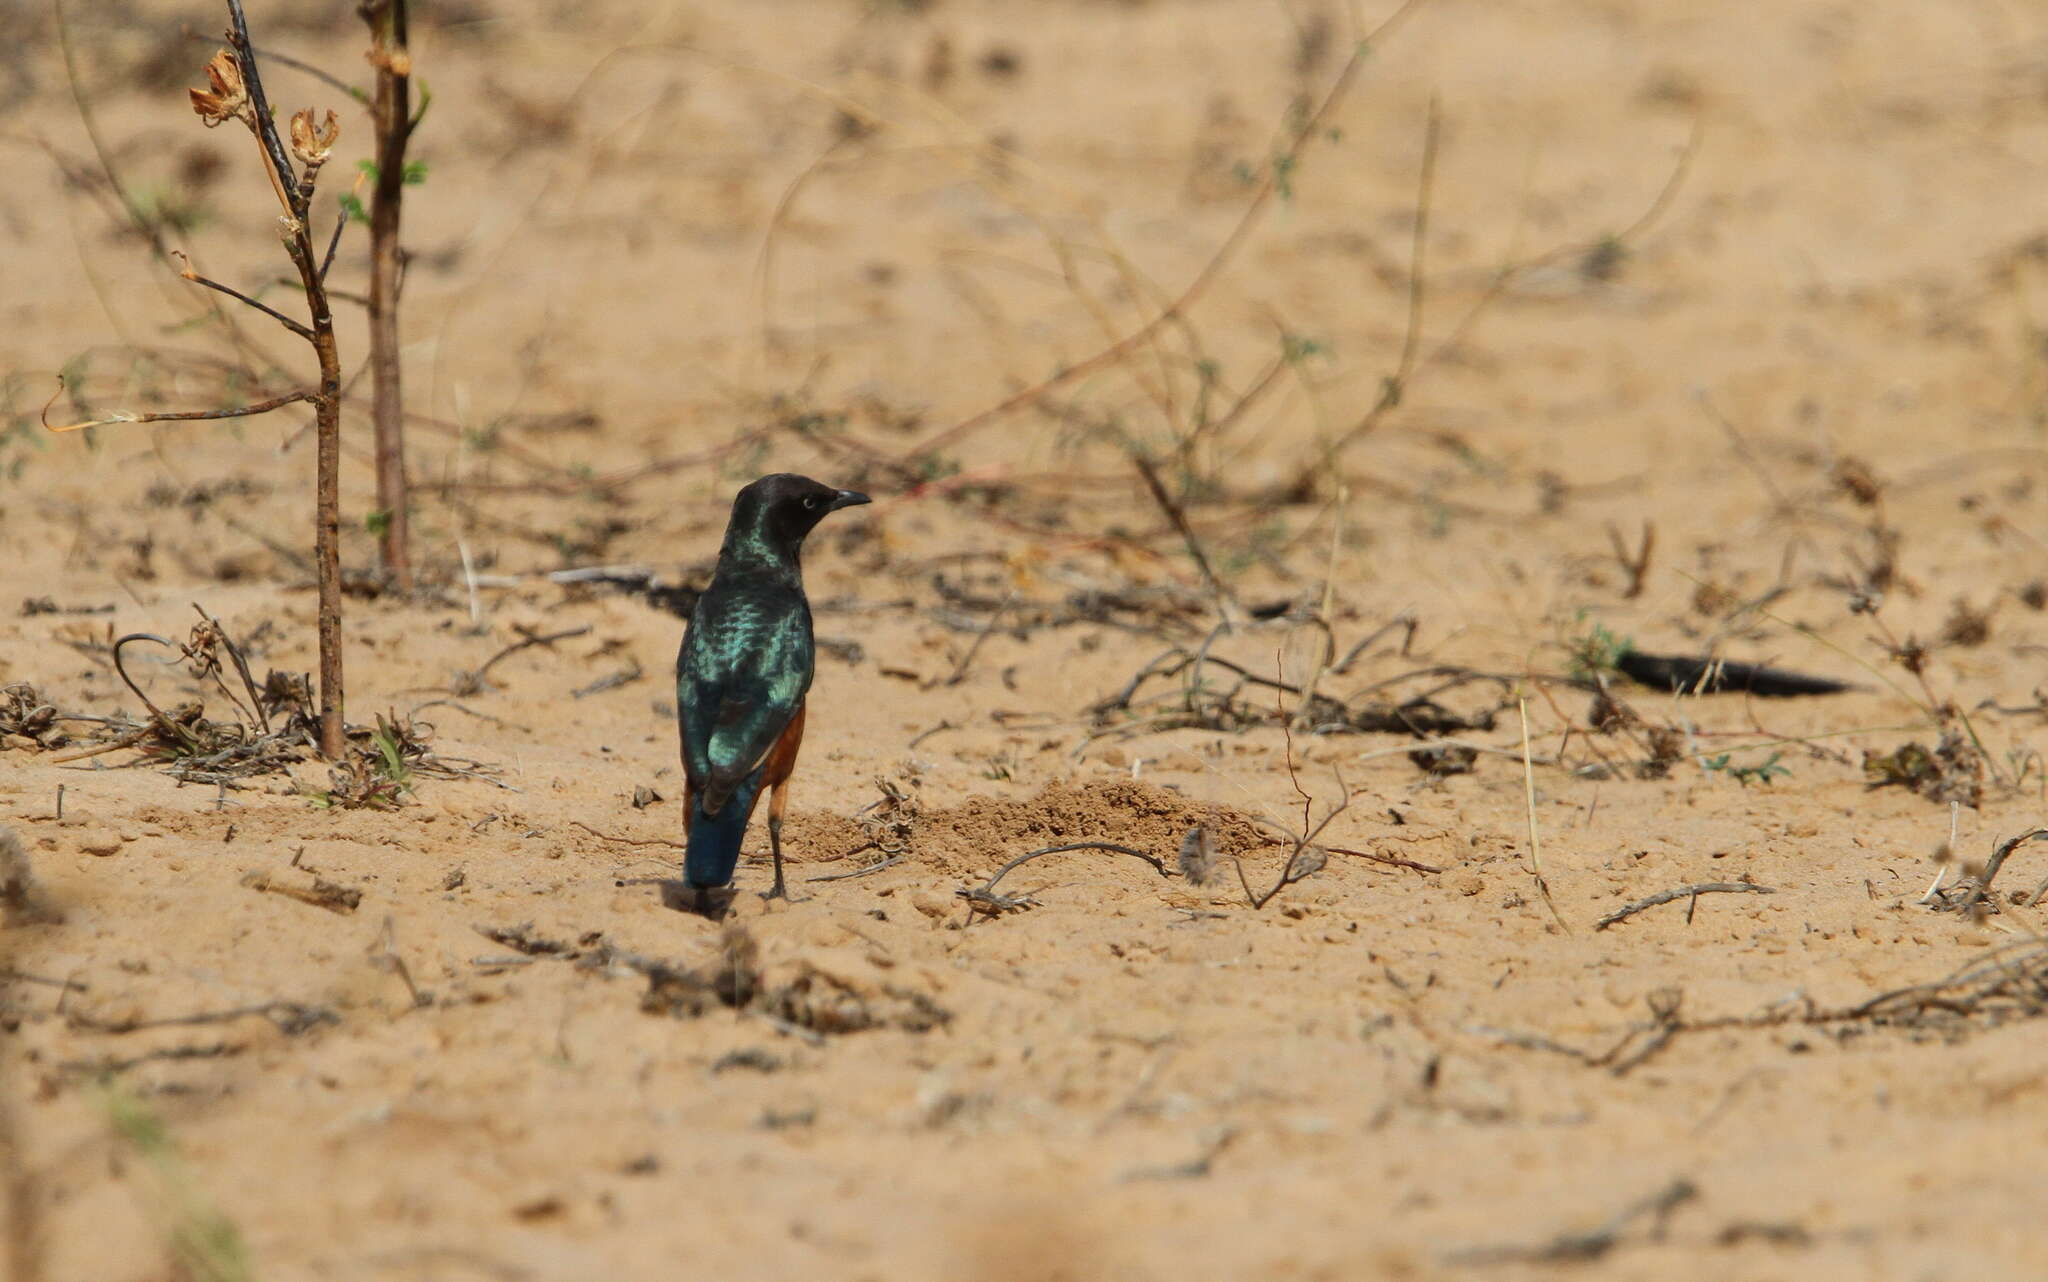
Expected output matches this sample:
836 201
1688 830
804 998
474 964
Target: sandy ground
659 252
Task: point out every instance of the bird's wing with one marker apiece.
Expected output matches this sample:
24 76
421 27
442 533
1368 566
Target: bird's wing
738 686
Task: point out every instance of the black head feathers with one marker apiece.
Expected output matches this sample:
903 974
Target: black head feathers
777 511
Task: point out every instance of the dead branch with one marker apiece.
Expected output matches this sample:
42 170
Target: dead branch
475 682
1682 892
1299 133
180 416
235 92
611 681
1968 901
1580 1248
1637 563
1158 864
1303 862
291 1018
1405 621
2002 985
981 636
333 896
393 119
1226 600
625 841
1392 861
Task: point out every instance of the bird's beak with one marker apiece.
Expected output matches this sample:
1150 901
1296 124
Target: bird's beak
848 498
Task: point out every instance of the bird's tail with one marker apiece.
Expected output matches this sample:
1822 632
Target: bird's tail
713 849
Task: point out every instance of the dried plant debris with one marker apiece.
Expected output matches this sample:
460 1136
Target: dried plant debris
1952 772
274 726
810 996
1585 1247
1163 609
1217 693
333 896
28 720
2000 986
1971 895
1967 626
1663 746
383 764
888 823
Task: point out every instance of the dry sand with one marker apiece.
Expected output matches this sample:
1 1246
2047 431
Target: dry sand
1138 1077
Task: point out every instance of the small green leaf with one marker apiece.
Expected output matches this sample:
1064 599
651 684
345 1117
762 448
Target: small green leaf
1296 348
352 209
415 172
377 522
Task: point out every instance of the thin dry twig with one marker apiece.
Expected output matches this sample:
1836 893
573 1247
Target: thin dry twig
473 682
1226 600
1535 840
1158 864
1636 563
864 871
1580 1248
626 841
1304 129
291 1018
1392 861
1682 892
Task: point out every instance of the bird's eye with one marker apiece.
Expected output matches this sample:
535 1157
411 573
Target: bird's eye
811 502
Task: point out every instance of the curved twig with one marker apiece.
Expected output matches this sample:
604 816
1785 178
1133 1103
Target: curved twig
1158 864
129 681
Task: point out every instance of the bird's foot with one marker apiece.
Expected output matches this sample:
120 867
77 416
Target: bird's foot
780 891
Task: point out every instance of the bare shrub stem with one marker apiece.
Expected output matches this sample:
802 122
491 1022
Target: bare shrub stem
236 93
391 112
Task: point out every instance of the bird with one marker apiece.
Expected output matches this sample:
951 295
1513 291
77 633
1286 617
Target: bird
743 674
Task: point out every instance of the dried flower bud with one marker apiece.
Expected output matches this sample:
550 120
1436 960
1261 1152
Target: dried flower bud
396 61
229 97
310 145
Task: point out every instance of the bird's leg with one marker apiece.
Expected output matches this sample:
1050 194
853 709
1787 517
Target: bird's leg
778 801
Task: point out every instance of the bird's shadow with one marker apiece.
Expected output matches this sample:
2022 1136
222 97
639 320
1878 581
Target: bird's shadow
712 904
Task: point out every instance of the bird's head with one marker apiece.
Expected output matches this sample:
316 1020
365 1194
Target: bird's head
784 507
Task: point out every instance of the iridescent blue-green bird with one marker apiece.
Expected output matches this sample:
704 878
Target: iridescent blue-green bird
743 673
